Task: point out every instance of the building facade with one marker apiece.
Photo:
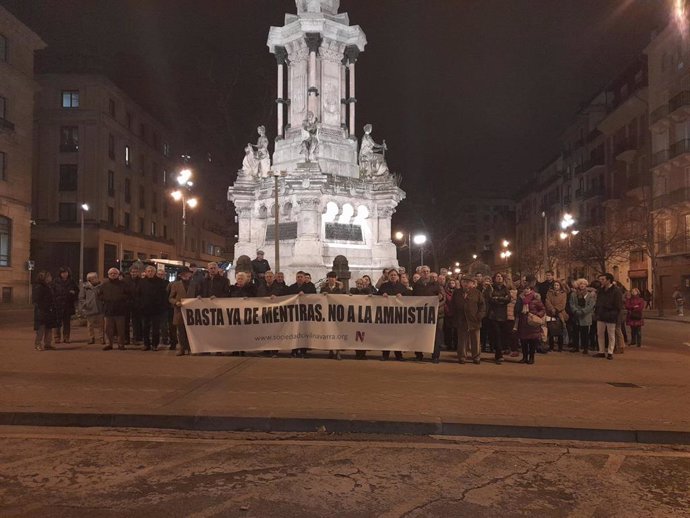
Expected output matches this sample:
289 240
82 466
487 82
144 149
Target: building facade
17 88
669 117
96 146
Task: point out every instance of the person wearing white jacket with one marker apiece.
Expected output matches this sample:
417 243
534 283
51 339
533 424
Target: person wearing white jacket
92 308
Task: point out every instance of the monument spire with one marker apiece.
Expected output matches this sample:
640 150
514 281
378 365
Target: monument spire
317 6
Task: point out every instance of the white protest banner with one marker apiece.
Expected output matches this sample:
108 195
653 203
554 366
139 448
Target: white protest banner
327 322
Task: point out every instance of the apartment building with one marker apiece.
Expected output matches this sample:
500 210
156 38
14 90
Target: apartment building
17 87
99 149
669 119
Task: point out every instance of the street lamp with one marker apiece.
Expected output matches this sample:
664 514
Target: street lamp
419 240
567 233
276 233
184 181
400 236
474 256
84 208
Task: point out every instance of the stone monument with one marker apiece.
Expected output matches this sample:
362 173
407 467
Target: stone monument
335 198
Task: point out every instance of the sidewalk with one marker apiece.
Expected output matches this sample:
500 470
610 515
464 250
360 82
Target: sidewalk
669 315
564 395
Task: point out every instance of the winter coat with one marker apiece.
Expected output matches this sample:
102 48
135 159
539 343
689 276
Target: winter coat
179 291
536 307
275 288
132 285
45 310
89 303
510 309
116 298
498 299
393 288
248 290
609 305
556 302
217 286
448 303
583 314
426 289
636 304
66 293
469 308
153 296
306 287
335 290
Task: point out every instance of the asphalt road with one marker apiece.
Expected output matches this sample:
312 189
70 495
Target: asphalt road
149 473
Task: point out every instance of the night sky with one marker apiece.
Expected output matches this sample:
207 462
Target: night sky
467 93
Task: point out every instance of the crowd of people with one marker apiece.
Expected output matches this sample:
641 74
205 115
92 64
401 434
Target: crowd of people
505 315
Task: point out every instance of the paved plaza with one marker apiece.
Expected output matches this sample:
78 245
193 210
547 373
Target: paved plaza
643 395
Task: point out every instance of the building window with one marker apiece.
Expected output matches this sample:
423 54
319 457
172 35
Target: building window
128 190
129 121
127 223
67 212
70 98
153 228
6 296
5 241
111 183
3 48
69 139
3 166
128 156
165 177
111 146
68 177
141 225
127 255
154 202
111 216
166 149
142 198
111 108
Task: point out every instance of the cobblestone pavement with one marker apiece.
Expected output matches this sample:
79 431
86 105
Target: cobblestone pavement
63 472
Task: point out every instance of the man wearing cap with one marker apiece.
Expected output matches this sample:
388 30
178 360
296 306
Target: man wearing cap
181 289
260 266
469 307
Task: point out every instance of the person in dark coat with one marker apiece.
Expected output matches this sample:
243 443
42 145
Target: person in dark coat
153 300
180 290
607 309
426 287
133 316
469 308
242 288
45 311
498 300
270 287
259 267
66 292
529 302
116 299
216 285
393 288
333 287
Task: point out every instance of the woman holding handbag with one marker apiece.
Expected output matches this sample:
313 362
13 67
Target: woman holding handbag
556 301
635 305
531 313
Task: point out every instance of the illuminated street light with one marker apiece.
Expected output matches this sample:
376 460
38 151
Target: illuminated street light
399 236
192 202
184 177
419 240
177 195
505 243
474 256
184 180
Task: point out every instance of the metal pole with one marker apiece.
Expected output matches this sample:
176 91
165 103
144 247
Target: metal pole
546 243
81 250
421 255
184 224
277 226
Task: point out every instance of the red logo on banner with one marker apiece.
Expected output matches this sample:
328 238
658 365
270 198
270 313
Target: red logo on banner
359 336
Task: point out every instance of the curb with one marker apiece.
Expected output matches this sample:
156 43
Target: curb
666 319
278 424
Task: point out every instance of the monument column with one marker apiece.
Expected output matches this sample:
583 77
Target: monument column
352 52
313 40
281 59
343 93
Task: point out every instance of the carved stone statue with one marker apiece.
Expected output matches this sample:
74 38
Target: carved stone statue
342 269
372 156
262 156
310 138
249 165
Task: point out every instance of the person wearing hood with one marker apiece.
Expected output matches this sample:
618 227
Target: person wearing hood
92 308
66 292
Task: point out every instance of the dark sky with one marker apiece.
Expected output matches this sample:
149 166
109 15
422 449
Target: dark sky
467 93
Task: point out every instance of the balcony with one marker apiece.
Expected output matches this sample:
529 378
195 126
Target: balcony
579 193
625 150
677 197
660 157
679 153
6 125
638 180
679 106
594 192
658 115
593 162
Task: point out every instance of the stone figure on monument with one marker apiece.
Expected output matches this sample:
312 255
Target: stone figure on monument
261 154
249 165
310 138
372 156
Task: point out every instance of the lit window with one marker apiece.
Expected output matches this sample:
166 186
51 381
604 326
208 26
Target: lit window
5 241
153 228
69 139
128 162
70 98
166 149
